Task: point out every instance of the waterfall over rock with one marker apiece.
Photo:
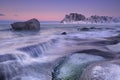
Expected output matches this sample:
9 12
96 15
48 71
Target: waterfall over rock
38 49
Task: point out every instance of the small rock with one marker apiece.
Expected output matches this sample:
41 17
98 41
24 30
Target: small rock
84 29
63 33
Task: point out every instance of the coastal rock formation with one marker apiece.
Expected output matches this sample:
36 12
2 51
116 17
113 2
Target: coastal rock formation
73 17
73 65
32 24
79 18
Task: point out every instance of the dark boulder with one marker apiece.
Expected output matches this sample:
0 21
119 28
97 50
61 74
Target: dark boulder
63 33
32 24
84 29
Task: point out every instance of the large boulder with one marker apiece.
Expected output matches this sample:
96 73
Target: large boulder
108 70
72 66
32 24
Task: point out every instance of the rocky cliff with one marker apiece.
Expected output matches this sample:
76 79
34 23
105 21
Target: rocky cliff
75 17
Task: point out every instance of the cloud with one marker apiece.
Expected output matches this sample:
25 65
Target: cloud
2 14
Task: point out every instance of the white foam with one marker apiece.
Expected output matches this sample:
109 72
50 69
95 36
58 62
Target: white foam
94 34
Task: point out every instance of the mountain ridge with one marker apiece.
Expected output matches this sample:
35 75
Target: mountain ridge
80 18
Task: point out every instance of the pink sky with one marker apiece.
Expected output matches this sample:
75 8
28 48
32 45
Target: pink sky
56 9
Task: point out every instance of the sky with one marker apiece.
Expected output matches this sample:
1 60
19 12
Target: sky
56 9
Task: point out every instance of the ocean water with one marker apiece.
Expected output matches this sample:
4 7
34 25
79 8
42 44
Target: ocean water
32 54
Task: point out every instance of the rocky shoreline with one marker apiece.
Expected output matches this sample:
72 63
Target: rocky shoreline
89 64
65 56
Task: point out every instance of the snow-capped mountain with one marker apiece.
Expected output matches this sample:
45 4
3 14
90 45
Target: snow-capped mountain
79 18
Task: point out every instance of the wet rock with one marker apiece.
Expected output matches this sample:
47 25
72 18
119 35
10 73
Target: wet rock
88 29
26 78
16 70
84 29
63 33
32 24
9 70
7 57
11 57
106 42
38 49
73 66
114 48
107 55
92 27
108 70
115 38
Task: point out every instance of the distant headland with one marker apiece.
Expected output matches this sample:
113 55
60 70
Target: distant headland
80 18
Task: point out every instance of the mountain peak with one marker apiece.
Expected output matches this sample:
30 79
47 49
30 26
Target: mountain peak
76 17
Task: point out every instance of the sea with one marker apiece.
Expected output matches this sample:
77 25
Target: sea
31 55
